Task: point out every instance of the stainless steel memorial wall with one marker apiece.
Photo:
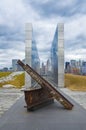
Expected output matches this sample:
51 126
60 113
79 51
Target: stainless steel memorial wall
55 65
31 55
35 57
57 56
54 57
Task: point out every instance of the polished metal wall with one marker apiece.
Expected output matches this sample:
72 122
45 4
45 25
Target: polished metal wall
56 63
28 52
31 54
35 57
60 55
57 56
54 57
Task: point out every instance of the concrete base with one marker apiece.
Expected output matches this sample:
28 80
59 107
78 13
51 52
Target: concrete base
51 117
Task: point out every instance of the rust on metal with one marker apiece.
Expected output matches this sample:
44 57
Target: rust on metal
47 92
37 96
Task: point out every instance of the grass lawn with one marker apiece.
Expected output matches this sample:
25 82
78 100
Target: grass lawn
18 81
75 82
3 74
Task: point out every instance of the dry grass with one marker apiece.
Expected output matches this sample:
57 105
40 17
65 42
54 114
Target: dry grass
75 82
3 74
18 81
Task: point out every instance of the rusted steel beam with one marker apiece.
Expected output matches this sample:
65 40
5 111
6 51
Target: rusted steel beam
37 98
45 84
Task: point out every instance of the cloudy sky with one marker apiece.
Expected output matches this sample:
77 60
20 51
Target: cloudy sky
44 15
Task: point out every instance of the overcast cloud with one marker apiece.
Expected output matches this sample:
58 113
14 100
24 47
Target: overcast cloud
44 15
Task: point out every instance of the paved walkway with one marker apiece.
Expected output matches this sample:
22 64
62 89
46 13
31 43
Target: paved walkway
51 117
79 97
7 98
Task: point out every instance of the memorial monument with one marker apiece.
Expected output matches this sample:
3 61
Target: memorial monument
57 55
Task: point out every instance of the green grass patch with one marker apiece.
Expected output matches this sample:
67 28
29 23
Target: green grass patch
75 82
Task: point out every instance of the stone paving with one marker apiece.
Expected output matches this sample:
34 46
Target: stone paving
9 96
79 97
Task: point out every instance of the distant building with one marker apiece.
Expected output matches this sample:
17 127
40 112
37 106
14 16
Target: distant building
11 69
76 67
5 69
48 67
67 67
43 69
83 68
73 63
16 66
